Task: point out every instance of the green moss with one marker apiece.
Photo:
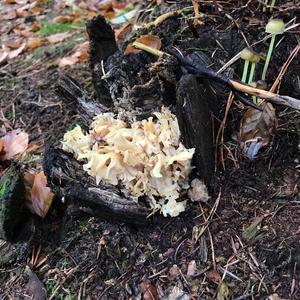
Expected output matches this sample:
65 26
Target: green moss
3 188
52 28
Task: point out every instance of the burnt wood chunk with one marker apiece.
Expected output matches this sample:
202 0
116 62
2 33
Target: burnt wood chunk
67 179
102 45
194 117
71 92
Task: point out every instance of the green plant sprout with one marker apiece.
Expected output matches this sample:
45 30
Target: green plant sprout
274 26
246 55
255 60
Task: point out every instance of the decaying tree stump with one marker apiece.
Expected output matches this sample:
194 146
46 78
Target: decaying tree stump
69 181
135 85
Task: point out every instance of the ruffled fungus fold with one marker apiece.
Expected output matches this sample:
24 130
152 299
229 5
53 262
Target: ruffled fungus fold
146 158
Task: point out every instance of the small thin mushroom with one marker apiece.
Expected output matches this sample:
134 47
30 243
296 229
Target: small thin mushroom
247 56
274 26
255 60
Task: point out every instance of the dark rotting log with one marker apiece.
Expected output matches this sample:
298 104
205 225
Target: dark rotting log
194 117
13 212
69 181
102 45
71 92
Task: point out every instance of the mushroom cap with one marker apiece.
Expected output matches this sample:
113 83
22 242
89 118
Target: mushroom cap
275 26
255 58
247 54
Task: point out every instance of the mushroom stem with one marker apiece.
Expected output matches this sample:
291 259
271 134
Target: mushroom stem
272 5
245 72
263 77
251 72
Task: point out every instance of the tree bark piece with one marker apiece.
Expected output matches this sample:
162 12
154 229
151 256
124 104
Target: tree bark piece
102 46
194 117
70 91
69 181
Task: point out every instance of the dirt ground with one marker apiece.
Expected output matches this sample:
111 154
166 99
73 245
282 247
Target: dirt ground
243 244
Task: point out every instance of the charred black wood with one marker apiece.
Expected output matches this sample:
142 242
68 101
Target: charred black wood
102 45
194 117
201 71
71 92
69 181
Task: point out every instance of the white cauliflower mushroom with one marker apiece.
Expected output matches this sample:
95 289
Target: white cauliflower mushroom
146 158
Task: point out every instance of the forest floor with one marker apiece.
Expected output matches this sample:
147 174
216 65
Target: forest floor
250 248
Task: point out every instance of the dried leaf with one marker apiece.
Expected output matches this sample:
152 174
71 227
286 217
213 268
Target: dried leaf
14 53
3 57
81 51
34 42
256 129
35 289
58 37
63 19
80 54
24 10
13 42
149 40
67 61
14 143
149 291
41 197
223 291
251 231
213 276
121 33
9 14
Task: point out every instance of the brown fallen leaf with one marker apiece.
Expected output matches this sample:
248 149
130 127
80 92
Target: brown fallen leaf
24 11
63 19
9 14
256 128
34 42
14 143
149 40
213 276
81 51
14 53
40 198
67 61
80 54
121 33
35 289
3 57
149 290
13 41
58 37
